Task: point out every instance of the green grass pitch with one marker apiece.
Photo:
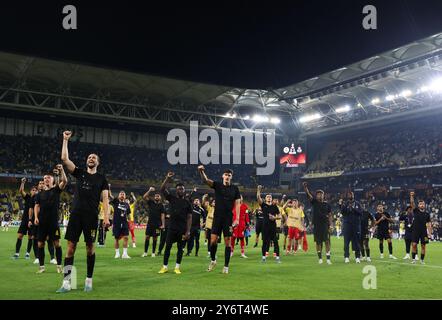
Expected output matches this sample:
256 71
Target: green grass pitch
297 277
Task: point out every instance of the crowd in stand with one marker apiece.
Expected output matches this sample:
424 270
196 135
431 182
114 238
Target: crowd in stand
402 146
37 155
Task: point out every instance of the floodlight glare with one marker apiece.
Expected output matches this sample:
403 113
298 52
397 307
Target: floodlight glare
342 109
310 117
275 120
375 101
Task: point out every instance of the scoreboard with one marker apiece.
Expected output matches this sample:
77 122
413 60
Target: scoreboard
293 155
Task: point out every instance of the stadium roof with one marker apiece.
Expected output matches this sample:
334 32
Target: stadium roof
342 97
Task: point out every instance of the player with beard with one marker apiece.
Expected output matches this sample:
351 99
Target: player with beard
25 226
90 186
157 216
420 228
120 228
163 232
382 222
322 221
227 198
270 212
180 222
46 208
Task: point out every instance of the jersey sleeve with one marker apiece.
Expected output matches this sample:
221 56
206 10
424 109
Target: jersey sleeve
104 184
37 198
77 172
215 185
237 194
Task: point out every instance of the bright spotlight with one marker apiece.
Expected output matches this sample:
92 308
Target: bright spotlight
389 97
406 93
310 117
259 118
436 85
342 109
275 120
375 101
247 117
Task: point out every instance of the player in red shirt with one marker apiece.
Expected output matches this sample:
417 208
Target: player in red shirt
238 231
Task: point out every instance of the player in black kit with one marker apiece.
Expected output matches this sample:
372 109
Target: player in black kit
120 224
25 225
367 222
90 186
270 213
382 221
198 217
226 197
157 216
322 221
180 222
47 203
258 225
420 228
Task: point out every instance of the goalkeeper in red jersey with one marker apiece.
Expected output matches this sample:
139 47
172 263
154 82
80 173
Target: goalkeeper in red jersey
239 230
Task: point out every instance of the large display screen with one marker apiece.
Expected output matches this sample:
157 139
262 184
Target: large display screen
293 155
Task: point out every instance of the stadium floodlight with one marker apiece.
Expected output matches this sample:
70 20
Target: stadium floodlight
260 118
247 117
375 101
310 117
342 109
390 97
424 89
406 93
436 85
275 120
230 115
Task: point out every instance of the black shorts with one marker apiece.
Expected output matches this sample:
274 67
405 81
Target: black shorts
419 236
86 224
365 235
174 236
258 227
24 229
48 231
152 231
383 235
120 230
286 230
321 234
222 225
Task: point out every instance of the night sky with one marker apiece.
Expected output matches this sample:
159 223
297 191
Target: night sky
245 44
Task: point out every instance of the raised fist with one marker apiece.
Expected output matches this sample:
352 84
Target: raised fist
151 189
305 184
412 194
67 135
260 187
170 174
23 180
59 167
201 168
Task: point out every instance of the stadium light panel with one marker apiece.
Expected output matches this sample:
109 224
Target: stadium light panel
247 117
275 120
390 97
260 118
406 93
342 109
375 101
436 85
310 117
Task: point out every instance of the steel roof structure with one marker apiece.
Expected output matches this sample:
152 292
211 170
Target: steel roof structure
40 85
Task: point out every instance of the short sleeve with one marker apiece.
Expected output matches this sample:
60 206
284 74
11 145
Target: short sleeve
302 214
237 194
428 218
77 172
37 198
313 200
215 185
104 184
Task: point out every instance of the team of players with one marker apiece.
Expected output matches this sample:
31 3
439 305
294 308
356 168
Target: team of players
220 216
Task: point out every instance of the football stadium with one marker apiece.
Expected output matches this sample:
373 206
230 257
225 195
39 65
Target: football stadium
125 185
